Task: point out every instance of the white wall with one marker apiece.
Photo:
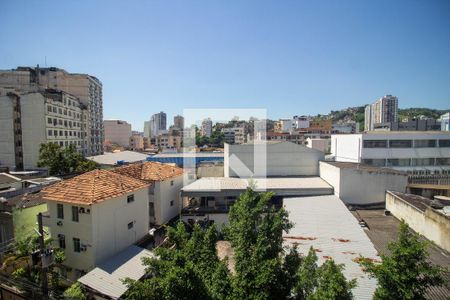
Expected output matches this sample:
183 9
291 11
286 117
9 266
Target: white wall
7 157
163 195
359 186
431 224
346 147
283 159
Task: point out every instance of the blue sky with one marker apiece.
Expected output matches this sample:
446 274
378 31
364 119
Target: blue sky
291 57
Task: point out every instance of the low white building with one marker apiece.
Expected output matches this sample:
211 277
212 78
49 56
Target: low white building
418 152
280 158
362 185
94 216
165 182
322 145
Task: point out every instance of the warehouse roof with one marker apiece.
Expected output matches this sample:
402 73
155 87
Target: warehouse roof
363 167
281 186
92 187
149 171
107 277
325 223
112 158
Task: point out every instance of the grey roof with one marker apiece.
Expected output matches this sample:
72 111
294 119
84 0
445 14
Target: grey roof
8 178
106 278
281 186
112 158
363 167
325 223
190 154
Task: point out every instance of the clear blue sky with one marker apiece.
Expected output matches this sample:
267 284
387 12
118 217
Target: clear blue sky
291 57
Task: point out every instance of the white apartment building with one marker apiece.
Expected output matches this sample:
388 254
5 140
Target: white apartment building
445 122
117 132
235 135
206 129
165 182
417 152
94 216
29 119
284 126
87 88
383 110
300 122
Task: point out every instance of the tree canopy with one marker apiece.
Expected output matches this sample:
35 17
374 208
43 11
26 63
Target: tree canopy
189 267
60 161
406 273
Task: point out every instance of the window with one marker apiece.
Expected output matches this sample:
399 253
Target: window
54 109
171 182
424 143
76 245
75 214
130 225
151 209
62 241
49 108
130 198
374 162
49 120
423 161
375 144
444 143
171 202
60 209
398 162
55 132
50 132
443 161
400 143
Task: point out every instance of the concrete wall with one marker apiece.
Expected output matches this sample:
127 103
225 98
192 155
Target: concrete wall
282 159
7 157
165 194
361 187
346 147
118 132
431 224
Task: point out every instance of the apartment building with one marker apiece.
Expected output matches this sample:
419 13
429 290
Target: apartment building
178 122
206 129
283 126
417 152
235 135
94 216
445 121
415 124
117 132
29 119
165 182
384 110
158 124
137 142
87 88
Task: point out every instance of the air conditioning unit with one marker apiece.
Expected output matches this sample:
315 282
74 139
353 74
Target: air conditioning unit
81 210
83 248
88 211
59 223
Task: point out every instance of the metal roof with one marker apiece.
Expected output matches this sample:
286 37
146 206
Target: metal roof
112 158
106 278
190 154
325 223
281 186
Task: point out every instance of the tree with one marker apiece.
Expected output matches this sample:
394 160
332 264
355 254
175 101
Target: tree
75 292
406 273
61 161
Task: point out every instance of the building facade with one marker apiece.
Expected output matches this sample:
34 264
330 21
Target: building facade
417 152
206 129
384 110
117 132
235 135
137 142
415 124
29 119
158 124
178 122
94 216
87 88
445 121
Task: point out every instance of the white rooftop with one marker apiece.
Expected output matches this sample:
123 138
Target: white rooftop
279 185
325 223
190 154
111 158
106 278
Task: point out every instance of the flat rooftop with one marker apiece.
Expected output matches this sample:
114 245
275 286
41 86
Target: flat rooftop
384 229
363 167
281 186
111 158
325 223
189 154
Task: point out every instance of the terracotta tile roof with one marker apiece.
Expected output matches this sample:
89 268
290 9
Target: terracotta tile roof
149 171
92 187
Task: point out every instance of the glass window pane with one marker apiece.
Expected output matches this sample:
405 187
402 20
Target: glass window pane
444 143
375 162
400 143
423 161
443 161
424 143
375 144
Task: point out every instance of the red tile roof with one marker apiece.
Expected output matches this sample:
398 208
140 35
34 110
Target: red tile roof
149 171
92 187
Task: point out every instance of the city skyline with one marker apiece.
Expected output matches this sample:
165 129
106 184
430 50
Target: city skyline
296 58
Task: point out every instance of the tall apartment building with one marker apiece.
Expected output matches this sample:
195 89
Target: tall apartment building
117 132
206 129
87 88
147 132
383 110
445 119
29 119
158 124
178 122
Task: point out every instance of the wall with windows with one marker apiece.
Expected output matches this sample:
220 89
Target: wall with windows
166 199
